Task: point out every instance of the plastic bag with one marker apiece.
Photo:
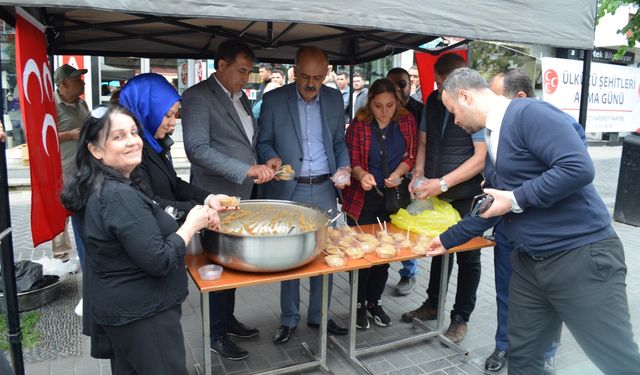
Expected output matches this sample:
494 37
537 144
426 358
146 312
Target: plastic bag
431 222
27 273
419 205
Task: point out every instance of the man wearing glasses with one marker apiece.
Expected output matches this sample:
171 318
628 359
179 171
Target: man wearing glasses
403 84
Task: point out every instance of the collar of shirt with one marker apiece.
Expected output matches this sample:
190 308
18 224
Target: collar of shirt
234 96
494 122
72 105
315 100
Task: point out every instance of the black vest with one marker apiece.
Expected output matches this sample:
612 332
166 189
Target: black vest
446 152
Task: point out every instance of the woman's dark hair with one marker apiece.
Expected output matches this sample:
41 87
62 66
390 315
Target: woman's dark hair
380 86
90 172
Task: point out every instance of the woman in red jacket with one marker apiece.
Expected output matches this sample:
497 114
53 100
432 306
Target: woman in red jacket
383 125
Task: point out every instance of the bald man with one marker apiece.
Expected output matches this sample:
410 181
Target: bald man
302 124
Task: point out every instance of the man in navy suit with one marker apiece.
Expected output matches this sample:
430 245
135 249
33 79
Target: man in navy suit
302 124
567 261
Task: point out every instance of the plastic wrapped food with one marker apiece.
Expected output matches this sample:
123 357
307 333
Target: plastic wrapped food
385 238
370 246
333 234
334 260
386 251
333 250
354 252
419 249
405 244
363 237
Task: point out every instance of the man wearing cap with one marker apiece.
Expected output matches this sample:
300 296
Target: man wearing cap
72 112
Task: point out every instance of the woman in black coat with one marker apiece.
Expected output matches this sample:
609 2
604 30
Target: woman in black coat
134 280
155 103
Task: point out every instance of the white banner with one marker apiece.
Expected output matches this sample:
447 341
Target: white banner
614 93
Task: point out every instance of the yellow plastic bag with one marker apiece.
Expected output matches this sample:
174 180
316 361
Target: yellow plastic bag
430 222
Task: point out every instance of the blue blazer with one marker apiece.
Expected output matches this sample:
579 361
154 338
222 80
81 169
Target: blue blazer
280 134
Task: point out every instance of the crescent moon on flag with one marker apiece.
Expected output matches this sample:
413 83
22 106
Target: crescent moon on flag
31 68
47 123
46 81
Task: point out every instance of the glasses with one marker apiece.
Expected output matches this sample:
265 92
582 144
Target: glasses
401 83
99 111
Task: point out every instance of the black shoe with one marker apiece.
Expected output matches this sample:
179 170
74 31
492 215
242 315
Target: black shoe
332 327
405 285
375 312
496 361
362 320
283 334
226 348
239 330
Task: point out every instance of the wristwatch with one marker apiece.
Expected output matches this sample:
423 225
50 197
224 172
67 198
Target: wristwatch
515 208
443 185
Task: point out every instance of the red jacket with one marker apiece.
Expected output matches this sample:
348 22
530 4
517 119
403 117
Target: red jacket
358 140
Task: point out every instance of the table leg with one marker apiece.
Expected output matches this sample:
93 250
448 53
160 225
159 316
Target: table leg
324 318
444 284
206 332
353 307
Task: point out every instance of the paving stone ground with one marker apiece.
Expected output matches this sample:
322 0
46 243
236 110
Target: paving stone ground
63 351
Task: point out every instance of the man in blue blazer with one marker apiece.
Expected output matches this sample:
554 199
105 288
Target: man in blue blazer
302 124
567 261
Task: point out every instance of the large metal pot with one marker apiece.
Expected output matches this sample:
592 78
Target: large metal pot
290 249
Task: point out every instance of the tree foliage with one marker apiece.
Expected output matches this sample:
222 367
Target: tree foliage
631 29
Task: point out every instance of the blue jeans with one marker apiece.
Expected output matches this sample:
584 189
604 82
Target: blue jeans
409 268
290 301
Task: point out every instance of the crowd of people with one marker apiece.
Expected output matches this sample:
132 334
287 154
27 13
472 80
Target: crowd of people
557 257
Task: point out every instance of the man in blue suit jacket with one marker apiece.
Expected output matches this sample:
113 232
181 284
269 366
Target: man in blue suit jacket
302 124
568 263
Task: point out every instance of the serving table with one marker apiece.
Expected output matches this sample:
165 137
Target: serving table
237 279
352 352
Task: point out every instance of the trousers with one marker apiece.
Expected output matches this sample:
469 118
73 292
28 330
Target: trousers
582 287
502 266
150 346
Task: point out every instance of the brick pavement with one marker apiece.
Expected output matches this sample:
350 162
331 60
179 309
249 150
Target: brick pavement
424 358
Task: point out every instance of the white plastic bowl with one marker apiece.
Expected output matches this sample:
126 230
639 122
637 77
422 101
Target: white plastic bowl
210 272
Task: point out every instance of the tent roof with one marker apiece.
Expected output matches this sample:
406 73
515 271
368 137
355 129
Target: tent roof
351 31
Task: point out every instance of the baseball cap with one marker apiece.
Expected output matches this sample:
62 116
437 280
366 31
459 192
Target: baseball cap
67 71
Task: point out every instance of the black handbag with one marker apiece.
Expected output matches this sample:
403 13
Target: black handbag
397 197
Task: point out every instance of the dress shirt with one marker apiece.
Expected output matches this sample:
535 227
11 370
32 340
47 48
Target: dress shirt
494 123
315 162
243 114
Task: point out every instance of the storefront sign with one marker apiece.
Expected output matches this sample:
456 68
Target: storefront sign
614 93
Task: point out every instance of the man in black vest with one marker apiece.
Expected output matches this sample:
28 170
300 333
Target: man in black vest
452 161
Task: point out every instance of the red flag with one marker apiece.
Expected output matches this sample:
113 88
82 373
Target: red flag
425 64
39 116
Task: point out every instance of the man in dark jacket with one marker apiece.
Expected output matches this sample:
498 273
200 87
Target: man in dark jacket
451 160
568 263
